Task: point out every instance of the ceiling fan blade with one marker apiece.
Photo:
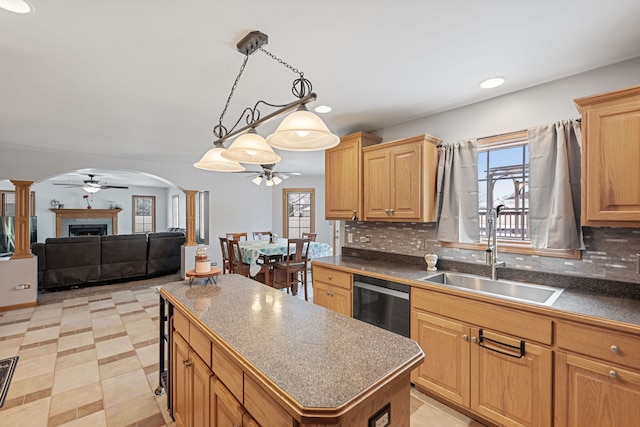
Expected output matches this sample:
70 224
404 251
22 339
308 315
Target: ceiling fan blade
68 184
113 186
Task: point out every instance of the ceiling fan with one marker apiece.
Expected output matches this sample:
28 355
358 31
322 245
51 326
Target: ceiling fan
90 185
269 175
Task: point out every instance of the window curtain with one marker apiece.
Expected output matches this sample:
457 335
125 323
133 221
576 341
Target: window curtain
554 186
457 192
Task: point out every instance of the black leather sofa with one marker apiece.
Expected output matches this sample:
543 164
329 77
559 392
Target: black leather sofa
85 260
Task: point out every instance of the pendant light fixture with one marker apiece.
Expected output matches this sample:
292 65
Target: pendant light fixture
300 131
213 161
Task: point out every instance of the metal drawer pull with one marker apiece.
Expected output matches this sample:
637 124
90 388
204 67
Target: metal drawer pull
613 374
519 349
465 338
186 363
615 349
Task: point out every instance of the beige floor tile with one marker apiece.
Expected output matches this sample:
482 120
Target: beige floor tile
148 355
134 317
34 366
139 408
125 388
75 341
13 329
45 313
75 359
141 330
97 419
77 376
30 385
74 398
429 416
39 350
17 315
10 348
33 414
99 322
101 304
113 347
119 367
108 331
39 335
72 302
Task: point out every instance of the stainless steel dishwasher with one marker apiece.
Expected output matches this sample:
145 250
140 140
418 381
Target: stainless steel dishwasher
382 303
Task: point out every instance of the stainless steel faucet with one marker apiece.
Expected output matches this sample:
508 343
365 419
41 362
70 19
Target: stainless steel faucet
492 241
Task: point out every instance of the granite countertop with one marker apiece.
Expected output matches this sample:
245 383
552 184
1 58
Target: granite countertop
573 301
320 358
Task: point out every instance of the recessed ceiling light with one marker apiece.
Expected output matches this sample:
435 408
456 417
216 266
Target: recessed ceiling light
16 6
322 109
492 82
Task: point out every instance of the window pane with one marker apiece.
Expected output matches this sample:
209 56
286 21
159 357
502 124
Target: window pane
299 212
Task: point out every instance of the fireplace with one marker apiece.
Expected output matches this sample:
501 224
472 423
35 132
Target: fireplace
87 229
67 217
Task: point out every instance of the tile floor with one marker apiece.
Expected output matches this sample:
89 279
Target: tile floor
89 357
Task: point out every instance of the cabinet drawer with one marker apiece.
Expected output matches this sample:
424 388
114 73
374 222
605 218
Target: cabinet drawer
523 325
200 343
333 277
229 373
262 407
181 324
597 342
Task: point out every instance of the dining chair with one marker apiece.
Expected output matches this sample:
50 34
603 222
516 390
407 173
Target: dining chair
311 236
224 248
261 235
239 267
237 236
293 271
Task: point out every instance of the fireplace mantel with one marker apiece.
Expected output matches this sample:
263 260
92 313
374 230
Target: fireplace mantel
86 213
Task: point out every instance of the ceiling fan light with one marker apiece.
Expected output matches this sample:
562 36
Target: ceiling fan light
16 6
276 180
303 131
213 161
90 189
269 182
251 148
257 180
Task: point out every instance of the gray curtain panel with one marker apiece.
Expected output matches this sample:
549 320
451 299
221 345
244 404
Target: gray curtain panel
457 192
554 185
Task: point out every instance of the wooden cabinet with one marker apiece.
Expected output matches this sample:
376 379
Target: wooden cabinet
599 385
332 289
343 171
226 411
503 378
610 158
399 180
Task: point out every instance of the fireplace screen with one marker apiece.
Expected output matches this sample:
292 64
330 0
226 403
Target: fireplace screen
88 230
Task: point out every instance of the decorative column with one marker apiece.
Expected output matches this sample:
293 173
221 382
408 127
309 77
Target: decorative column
22 229
191 217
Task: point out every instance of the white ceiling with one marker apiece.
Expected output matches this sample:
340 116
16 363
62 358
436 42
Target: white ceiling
130 78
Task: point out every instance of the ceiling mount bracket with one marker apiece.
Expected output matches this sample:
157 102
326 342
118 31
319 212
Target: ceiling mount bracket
252 42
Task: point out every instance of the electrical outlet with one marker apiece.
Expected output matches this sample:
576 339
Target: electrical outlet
365 239
349 237
382 418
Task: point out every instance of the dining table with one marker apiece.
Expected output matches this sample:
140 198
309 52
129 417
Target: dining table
252 250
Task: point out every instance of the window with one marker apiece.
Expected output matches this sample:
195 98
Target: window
175 211
144 214
202 217
298 211
8 203
503 179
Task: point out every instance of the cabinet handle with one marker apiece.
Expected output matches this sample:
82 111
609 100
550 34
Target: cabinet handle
501 347
474 339
465 338
613 374
386 211
329 277
391 210
186 363
615 349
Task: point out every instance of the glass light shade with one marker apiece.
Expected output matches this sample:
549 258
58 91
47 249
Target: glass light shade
213 161
90 189
251 148
276 180
269 182
257 180
16 6
302 131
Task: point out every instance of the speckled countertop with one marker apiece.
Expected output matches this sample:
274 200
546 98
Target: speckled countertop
320 358
619 309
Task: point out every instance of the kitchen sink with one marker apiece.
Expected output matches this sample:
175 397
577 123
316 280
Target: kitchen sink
517 291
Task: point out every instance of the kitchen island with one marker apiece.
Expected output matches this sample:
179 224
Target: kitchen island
245 352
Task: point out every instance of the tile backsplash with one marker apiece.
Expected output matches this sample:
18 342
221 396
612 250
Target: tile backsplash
611 253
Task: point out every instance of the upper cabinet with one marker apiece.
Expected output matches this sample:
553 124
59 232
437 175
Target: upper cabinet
610 158
399 180
343 171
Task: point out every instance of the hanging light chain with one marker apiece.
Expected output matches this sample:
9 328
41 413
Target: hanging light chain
219 130
301 87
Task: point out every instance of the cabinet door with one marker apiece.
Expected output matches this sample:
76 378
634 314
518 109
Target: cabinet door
376 184
180 381
446 347
200 391
510 390
405 172
341 301
594 394
342 181
226 410
610 155
322 294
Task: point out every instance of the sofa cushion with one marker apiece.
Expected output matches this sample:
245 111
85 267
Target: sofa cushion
123 256
38 249
164 252
72 260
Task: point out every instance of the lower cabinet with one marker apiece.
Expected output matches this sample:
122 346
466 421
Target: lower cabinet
191 377
332 289
497 376
226 410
